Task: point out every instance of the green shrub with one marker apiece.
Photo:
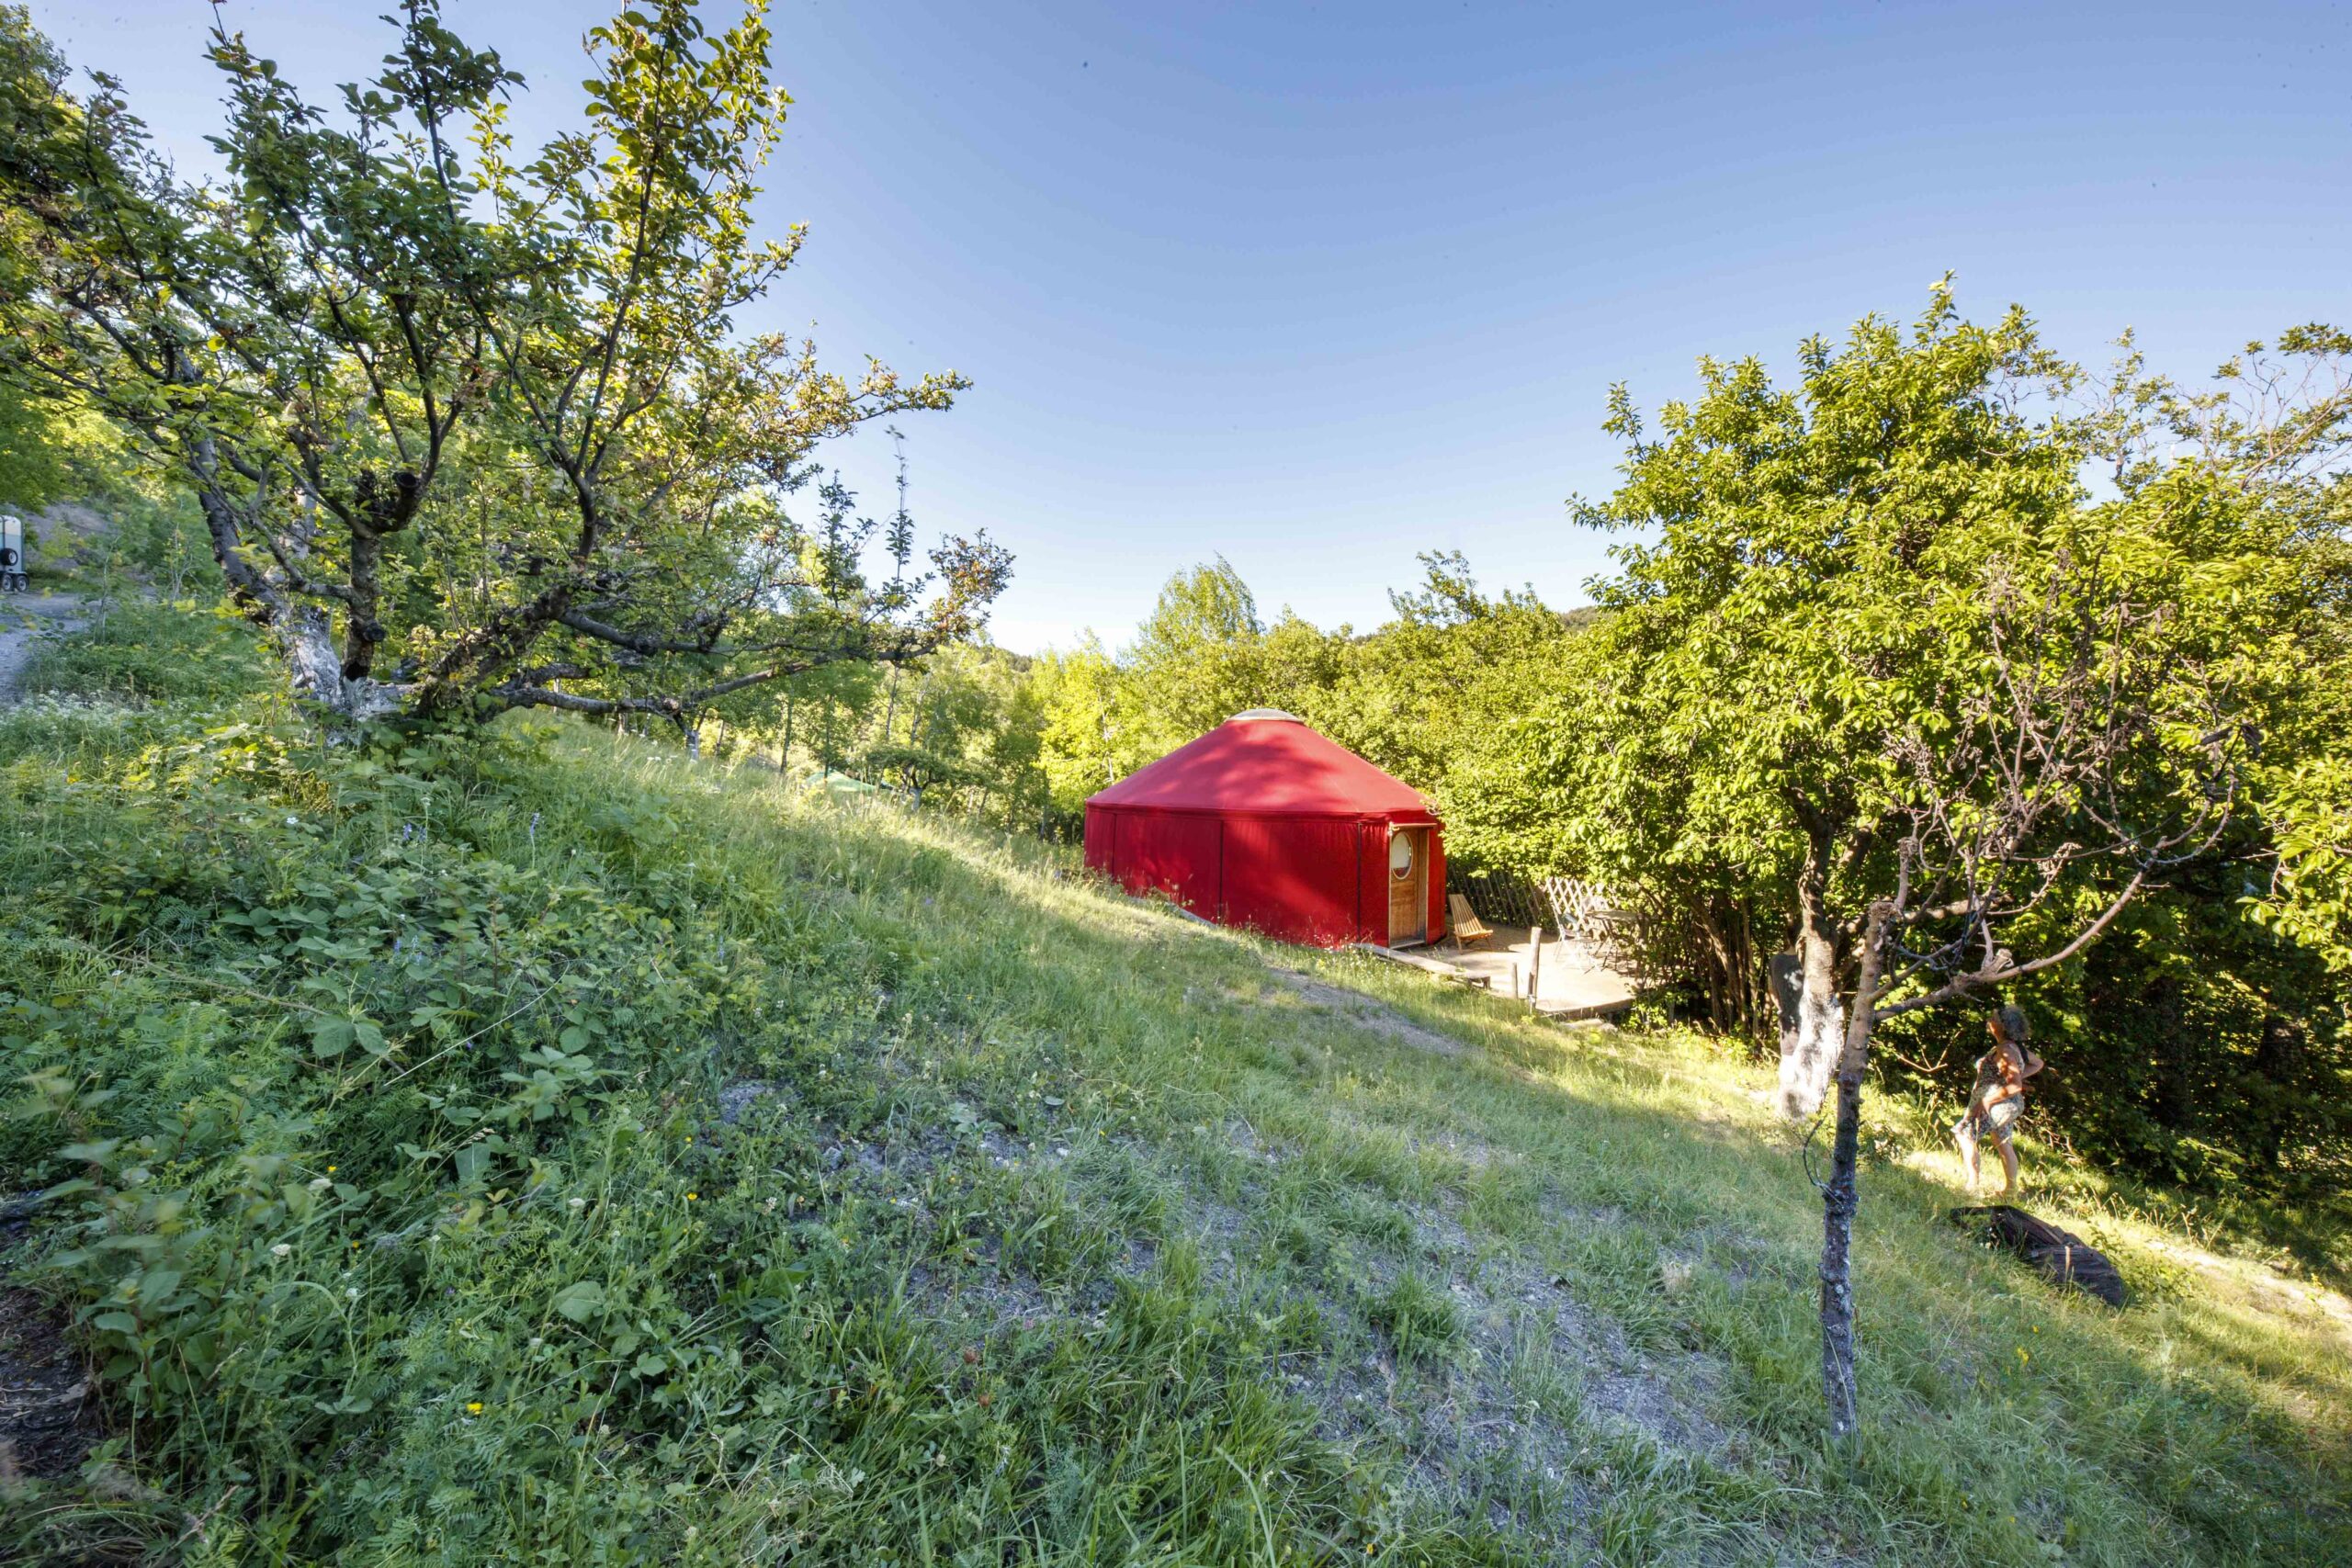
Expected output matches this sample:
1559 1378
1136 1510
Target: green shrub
152 652
374 1091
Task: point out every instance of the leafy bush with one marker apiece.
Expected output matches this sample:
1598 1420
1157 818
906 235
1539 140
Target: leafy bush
152 651
374 1091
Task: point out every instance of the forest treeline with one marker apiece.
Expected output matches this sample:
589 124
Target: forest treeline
1022 741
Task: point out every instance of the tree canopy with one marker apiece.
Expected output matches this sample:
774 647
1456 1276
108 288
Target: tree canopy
1868 595
471 424
1887 661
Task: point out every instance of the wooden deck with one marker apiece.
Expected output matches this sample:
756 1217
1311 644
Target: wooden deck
1573 982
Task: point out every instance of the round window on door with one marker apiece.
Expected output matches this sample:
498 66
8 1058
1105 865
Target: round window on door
1400 857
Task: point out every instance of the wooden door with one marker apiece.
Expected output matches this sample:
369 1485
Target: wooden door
1408 885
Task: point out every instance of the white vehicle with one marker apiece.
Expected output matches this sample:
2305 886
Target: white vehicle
12 554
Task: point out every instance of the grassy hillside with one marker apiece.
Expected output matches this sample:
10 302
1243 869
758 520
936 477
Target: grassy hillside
551 1150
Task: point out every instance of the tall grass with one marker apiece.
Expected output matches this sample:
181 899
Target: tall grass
134 649
544 1148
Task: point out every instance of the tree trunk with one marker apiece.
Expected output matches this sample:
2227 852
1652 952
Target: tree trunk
1839 1197
306 642
1808 1051
1718 970
361 630
224 521
304 633
1755 979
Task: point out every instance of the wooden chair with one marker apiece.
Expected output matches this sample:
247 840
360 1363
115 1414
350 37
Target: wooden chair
1466 927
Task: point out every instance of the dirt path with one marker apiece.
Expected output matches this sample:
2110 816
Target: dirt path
1367 1012
23 619
48 1418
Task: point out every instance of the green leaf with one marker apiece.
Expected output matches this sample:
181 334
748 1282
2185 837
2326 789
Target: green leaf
472 1160
580 1300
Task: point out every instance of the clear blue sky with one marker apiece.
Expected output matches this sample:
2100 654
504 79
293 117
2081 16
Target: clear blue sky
1320 286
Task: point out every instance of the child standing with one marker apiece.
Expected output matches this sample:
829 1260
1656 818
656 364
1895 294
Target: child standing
1999 1098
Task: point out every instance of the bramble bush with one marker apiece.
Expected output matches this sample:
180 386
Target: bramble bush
372 1088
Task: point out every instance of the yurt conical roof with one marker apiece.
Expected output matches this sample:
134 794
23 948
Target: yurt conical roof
1264 761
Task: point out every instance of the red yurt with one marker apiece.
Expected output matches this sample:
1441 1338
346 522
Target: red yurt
1261 822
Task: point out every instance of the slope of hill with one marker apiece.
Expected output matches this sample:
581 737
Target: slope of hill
549 1149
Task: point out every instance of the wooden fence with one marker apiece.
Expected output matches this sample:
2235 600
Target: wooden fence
1705 951
1501 896
1564 905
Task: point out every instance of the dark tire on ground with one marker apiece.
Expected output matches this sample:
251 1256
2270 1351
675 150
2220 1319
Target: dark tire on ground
2062 1257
